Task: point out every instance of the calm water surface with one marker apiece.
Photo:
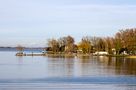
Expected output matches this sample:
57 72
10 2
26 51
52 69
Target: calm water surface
84 73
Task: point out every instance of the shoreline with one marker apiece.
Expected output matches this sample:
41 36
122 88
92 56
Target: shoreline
72 55
132 56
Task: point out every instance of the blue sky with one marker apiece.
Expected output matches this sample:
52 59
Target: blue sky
32 22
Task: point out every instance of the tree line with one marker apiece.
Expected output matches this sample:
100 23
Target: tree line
124 40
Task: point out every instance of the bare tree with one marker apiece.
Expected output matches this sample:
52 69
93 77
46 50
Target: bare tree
94 42
62 43
109 43
101 45
53 43
69 44
20 48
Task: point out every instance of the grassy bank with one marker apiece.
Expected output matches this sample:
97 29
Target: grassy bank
133 56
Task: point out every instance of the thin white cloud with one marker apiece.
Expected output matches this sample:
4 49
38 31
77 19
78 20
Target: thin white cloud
20 20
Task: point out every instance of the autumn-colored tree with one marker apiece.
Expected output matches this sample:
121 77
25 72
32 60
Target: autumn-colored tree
127 39
123 40
85 45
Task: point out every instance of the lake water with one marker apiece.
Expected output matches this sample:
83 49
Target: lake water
84 73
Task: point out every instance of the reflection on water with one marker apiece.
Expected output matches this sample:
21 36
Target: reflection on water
39 67
78 70
91 66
